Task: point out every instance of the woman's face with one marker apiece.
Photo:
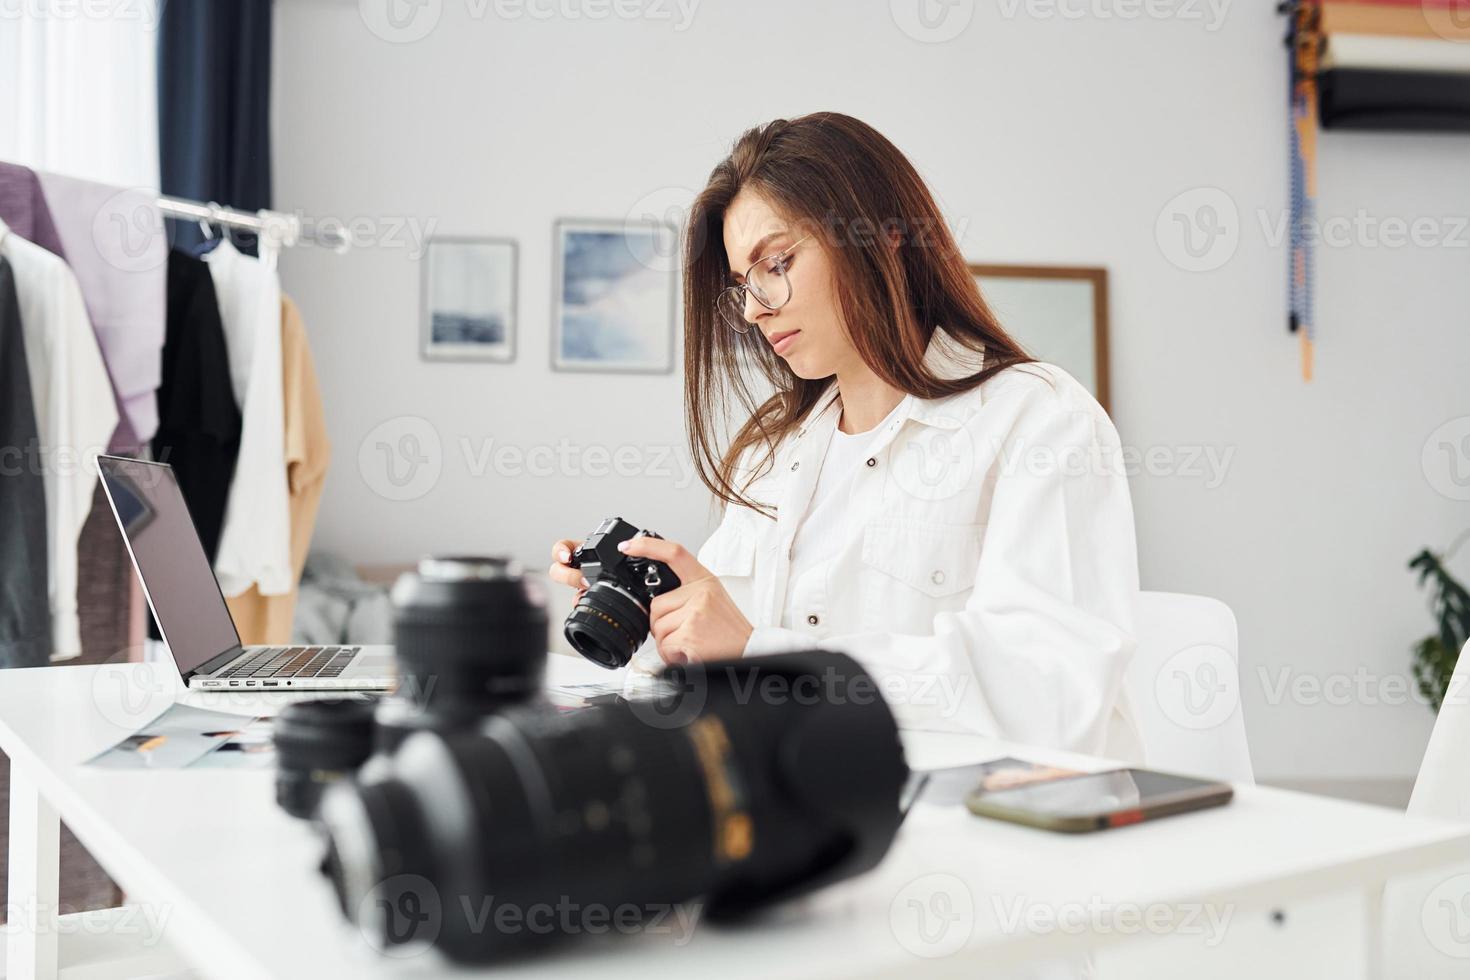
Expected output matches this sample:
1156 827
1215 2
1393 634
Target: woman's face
808 331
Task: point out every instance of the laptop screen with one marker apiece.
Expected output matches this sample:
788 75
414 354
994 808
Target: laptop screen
170 560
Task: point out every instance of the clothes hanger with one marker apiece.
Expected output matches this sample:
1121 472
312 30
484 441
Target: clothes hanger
211 241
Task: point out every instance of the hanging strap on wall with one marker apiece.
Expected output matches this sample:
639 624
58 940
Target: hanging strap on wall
1304 47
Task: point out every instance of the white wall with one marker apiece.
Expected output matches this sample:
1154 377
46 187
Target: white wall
1048 139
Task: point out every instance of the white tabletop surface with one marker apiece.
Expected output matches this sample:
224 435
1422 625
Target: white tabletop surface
233 877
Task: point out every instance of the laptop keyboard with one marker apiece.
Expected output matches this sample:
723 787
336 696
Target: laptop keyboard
294 662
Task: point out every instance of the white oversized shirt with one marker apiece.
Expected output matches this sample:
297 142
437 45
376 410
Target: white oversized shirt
987 568
75 415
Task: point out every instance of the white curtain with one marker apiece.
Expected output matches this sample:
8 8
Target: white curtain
79 84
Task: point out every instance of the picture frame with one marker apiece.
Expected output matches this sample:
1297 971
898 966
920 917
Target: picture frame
468 299
1059 314
614 297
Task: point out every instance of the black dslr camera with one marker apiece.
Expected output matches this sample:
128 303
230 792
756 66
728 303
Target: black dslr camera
611 620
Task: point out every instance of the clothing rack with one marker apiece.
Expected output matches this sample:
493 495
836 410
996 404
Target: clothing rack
285 230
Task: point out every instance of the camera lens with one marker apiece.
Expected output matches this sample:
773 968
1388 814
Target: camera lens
470 634
318 743
607 625
488 842
469 631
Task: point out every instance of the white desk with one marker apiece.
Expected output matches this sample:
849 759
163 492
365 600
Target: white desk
207 856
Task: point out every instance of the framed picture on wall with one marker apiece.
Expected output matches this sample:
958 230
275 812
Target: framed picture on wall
468 292
613 305
1059 314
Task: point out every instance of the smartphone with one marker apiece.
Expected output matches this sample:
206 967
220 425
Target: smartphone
1095 801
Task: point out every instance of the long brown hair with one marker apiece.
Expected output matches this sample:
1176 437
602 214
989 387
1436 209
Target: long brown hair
840 179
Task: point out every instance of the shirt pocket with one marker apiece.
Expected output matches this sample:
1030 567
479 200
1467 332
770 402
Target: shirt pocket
913 570
733 556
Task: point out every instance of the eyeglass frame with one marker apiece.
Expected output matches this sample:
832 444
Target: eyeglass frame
743 288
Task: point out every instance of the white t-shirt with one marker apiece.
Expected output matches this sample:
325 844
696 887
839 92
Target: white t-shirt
255 540
819 538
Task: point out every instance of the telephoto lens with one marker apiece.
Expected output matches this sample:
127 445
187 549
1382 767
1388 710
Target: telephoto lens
752 781
318 743
470 635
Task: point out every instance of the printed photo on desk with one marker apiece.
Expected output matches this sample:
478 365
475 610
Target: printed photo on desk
184 736
469 300
614 299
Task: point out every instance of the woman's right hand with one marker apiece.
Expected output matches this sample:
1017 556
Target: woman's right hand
560 571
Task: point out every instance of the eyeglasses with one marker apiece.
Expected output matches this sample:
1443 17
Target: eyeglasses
766 281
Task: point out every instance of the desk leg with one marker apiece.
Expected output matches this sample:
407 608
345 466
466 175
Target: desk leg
1373 965
35 851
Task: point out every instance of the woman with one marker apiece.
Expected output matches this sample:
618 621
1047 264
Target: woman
915 491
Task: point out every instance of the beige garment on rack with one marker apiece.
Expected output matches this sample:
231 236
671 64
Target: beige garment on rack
267 619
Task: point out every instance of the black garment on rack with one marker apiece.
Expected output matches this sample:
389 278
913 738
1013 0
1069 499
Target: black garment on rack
198 420
1394 101
25 609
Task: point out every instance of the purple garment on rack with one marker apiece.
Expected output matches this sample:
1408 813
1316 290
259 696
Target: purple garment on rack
116 245
23 208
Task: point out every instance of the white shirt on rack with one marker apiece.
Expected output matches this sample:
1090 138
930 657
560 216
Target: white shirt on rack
255 540
75 415
819 540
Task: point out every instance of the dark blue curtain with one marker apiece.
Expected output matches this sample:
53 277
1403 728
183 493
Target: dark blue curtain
214 71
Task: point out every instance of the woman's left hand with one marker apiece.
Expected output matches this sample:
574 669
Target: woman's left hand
698 620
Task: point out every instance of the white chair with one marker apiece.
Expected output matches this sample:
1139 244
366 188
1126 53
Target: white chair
1184 687
1426 932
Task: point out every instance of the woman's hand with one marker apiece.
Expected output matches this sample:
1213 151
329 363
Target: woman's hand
698 620
560 571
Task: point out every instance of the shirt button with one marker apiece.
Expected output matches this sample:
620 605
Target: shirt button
795 466
937 578
872 461
813 620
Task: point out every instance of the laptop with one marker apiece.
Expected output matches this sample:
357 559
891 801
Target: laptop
190 609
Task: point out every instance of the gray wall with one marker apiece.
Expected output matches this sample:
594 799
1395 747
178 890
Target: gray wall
1049 138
